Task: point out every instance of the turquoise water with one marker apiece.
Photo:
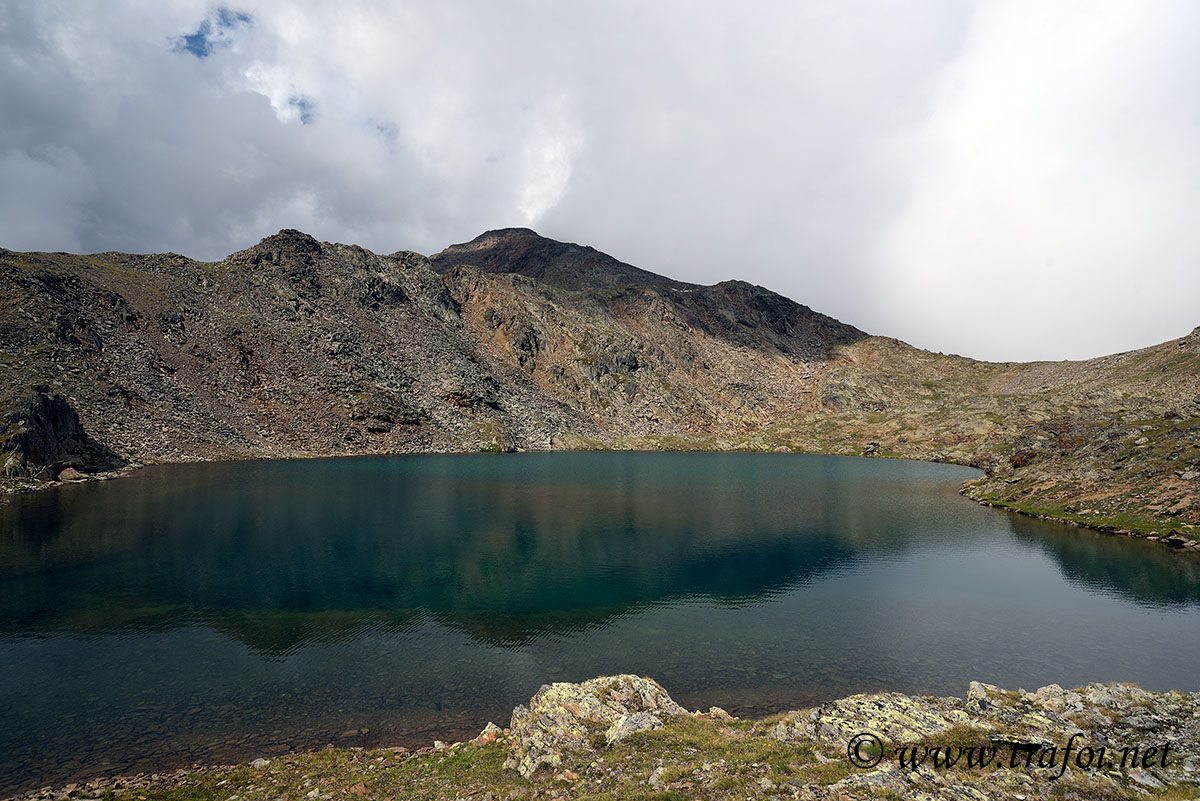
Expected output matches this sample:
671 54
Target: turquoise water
225 611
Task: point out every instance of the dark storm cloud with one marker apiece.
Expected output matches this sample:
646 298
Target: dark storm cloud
1007 180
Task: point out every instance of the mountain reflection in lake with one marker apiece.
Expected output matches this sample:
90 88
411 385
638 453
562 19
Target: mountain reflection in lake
220 611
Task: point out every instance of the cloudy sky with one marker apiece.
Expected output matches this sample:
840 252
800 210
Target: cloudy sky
1006 180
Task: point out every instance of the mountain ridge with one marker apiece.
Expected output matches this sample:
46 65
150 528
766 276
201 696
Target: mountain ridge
295 347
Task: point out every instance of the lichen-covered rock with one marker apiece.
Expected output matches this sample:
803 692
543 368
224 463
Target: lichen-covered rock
563 717
1049 715
631 724
1048 722
894 717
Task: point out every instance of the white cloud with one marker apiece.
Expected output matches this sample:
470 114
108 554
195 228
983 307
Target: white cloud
44 200
1052 188
992 178
550 149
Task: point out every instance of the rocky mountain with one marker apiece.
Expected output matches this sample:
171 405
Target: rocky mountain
296 347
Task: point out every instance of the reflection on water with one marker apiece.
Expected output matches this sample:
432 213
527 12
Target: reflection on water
1144 572
209 612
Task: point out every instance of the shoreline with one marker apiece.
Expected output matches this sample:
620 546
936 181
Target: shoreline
1179 544
1173 539
624 737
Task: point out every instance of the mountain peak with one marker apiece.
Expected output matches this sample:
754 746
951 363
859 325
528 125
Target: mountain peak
497 233
563 264
287 246
291 240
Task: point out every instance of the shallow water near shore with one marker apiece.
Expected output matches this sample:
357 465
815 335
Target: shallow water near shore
218 612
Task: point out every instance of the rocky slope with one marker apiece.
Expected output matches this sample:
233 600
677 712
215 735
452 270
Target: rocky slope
512 341
623 737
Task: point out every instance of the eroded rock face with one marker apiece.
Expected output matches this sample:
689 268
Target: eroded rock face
41 437
563 718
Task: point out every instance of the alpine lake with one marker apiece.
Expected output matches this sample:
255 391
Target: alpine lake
208 613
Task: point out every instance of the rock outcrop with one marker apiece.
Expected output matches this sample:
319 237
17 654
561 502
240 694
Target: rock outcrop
563 718
41 438
1098 741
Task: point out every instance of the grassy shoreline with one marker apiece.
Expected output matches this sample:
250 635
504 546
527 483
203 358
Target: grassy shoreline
805 754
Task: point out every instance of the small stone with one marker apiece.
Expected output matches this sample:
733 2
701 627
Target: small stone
1146 779
489 734
655 779
70 474
977 693
626 725
717 713
260 763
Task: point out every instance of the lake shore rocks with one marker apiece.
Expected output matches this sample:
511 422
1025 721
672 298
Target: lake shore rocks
562 718
624 737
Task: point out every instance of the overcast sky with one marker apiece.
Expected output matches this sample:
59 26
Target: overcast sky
1007 180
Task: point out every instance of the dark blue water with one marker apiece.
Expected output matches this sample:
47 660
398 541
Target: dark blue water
217 612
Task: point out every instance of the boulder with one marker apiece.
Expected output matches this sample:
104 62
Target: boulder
566 718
